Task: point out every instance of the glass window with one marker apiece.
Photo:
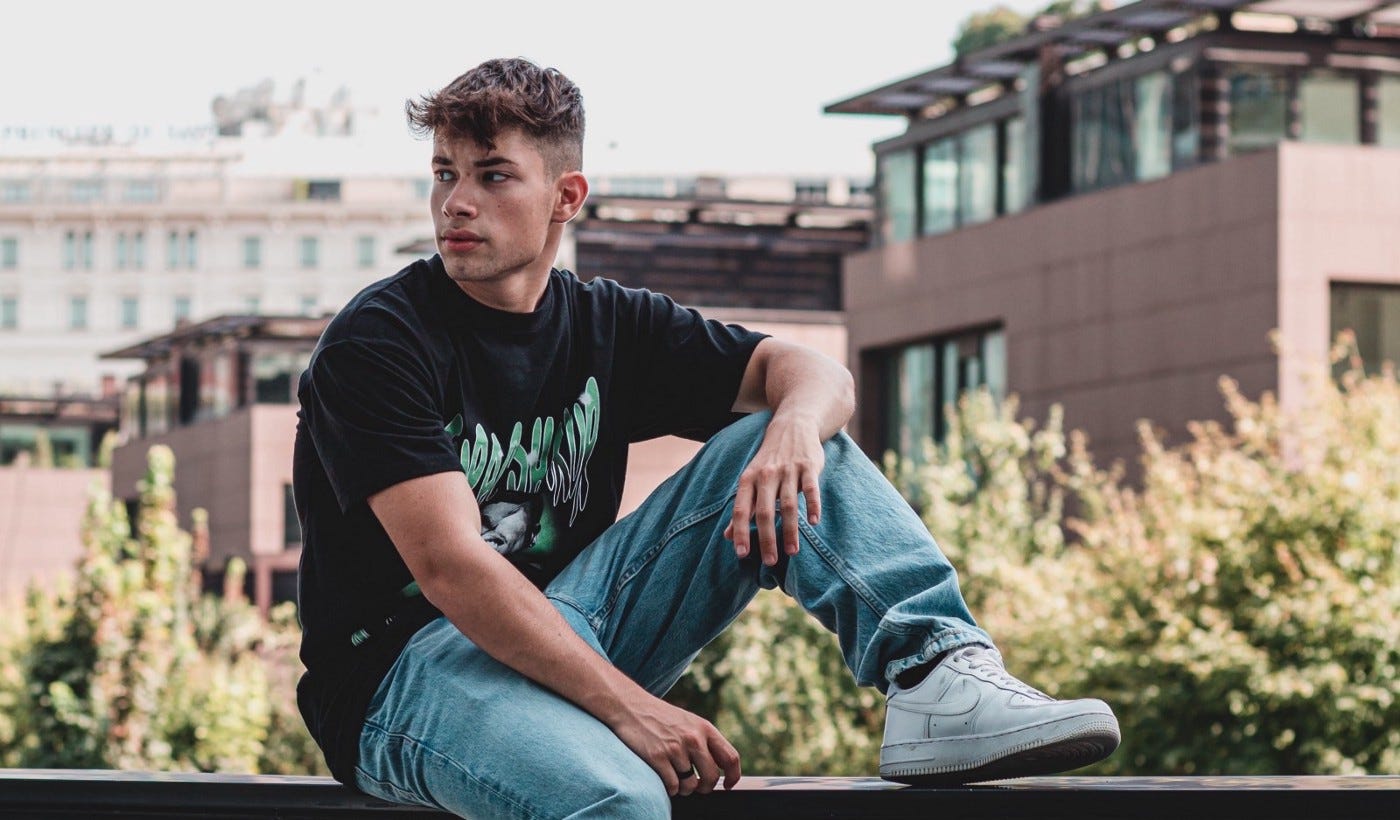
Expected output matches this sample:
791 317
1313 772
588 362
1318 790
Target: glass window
308 305
181 308
191 250
310 251
1016 185
121 251
422 188
70 250
1186 120
1103 146
940 186
1258 110
1372 312
141 190
364 251
1331 108
9 253
897 193
138 250
14 191
275 376
131 308
921 379
9 312
1390 112
252 251
252 304
977 175
87 250
77 313
85 190
1152 126
172 250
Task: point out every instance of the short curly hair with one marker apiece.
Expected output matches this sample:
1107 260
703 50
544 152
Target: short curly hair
502 94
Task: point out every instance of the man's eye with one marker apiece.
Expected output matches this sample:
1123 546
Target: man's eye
443 176
494 176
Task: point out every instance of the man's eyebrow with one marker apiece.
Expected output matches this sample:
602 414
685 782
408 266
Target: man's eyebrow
441 160
491 162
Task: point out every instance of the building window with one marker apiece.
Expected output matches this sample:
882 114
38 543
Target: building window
291 525
1331 108
87 250
323 189
131 308
1372 313
1389 114
275 376
172 250
422 188
9 252
310 251
898 196
70 250
9 312
308 305
85 190
181 308
921 379
138 250
1258 110
364 251
1016 184
252 304
77 313
1186 120
121 251
977 175
191 250
1152 126
940 186
14 191
252 251
141 190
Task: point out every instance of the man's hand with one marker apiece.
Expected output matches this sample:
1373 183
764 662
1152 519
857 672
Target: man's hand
674 742
788 463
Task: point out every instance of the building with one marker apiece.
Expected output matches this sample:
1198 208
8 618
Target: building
107 238
221 393
1112 213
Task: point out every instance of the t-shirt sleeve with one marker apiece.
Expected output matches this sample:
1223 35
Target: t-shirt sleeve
370 411
689 369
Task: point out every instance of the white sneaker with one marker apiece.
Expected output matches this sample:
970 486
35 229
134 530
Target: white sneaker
968 720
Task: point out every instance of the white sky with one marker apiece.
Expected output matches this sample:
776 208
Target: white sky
714 86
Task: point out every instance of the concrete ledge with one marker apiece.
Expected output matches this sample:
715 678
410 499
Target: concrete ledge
62 793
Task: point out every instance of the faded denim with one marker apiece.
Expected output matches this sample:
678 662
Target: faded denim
452 728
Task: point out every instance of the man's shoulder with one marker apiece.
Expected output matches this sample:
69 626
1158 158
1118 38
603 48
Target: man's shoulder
385 309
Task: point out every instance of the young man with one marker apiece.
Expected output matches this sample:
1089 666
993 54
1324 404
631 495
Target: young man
480 634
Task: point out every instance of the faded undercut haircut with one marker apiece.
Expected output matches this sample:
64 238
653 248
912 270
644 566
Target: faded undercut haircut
502 94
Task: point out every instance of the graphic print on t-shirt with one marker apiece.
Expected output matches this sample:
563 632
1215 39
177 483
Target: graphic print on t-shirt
524 486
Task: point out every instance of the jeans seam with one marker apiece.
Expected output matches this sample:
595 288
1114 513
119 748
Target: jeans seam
635 568
485 785
842 569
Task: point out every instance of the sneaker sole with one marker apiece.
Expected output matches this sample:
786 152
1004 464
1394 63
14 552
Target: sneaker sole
1073 744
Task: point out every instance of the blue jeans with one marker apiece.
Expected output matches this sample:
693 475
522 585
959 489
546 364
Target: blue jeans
451 727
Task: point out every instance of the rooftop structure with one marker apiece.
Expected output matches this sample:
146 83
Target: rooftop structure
1112 213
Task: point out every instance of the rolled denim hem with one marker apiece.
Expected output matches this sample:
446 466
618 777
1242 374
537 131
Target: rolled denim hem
936 644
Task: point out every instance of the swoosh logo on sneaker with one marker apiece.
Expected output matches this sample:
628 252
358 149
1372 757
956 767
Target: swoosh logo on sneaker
961 698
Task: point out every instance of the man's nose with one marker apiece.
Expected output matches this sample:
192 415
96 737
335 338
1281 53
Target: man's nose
461 202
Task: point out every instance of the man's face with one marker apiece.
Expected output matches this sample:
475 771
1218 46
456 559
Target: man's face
491 208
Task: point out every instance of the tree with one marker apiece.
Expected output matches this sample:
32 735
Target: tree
987 28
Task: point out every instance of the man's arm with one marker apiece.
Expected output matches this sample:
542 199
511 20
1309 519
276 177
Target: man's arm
812 397
435 523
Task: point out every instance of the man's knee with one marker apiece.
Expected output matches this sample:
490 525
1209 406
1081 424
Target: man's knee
639 798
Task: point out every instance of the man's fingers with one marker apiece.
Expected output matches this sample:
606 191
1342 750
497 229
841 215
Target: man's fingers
765 515
708 774
726 757
812 491
738 530
787 500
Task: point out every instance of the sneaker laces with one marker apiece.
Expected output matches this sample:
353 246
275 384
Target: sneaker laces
989 663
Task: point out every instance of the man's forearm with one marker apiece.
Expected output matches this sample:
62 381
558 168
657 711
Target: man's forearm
803 384
512 621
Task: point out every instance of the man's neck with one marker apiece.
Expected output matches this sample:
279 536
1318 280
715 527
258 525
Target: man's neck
519 293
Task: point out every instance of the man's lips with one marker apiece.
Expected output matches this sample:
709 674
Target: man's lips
461 240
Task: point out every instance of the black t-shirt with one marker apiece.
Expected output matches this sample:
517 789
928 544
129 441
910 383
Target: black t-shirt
413 377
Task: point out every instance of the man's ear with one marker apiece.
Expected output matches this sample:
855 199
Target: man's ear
571 191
